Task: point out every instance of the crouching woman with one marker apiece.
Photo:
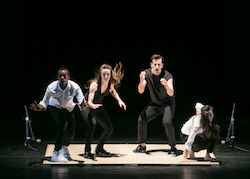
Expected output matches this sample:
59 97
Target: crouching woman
200 133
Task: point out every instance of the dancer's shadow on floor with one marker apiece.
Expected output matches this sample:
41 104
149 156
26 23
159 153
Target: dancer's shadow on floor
178 152
105 156
80 162
201 159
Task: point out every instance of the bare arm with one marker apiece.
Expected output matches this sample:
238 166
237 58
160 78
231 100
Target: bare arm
117 97
143 82
185 156
168 86
92 89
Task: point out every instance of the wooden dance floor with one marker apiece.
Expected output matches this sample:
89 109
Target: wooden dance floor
122 154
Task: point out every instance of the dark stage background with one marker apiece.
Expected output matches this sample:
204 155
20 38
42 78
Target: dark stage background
205 46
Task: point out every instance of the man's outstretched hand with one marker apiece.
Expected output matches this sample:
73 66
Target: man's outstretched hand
83 105
36 107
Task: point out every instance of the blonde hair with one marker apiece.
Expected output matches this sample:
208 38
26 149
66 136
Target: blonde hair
116 74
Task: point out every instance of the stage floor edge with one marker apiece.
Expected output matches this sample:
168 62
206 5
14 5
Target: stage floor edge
122 154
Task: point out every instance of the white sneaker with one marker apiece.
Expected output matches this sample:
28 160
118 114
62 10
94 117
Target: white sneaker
65 152
58 157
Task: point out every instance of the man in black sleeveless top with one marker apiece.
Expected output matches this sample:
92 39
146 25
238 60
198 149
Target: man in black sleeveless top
160 85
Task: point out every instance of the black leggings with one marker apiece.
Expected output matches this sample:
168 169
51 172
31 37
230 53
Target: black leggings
65 121
151 112
200 143
101 116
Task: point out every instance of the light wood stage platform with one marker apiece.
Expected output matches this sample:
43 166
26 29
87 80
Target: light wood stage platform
122 154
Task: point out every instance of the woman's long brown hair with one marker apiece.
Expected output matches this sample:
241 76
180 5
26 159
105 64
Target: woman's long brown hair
211 130
116 75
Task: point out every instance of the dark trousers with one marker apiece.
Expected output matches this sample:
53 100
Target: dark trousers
200 143
91 116
65 121
151 112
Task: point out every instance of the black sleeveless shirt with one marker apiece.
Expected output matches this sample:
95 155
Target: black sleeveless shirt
98 98
158 92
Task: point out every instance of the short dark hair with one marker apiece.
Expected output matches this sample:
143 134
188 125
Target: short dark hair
156 57
63 68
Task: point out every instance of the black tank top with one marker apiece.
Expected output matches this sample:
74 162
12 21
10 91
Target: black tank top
157 91
98 95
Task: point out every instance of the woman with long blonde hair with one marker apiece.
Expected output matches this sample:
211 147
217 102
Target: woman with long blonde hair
106 81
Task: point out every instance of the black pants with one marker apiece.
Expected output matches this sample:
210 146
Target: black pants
65 121
151 112
200 143
101 116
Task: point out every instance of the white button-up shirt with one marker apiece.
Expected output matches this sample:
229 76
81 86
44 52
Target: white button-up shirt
192 128
59 98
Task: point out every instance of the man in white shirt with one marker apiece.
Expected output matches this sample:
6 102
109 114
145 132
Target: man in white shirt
58 99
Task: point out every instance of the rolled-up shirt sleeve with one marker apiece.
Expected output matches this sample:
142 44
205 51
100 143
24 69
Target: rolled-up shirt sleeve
46 98
79 95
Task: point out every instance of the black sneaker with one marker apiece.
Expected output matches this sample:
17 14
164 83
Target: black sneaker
140 149
101 152
173 151
89 155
